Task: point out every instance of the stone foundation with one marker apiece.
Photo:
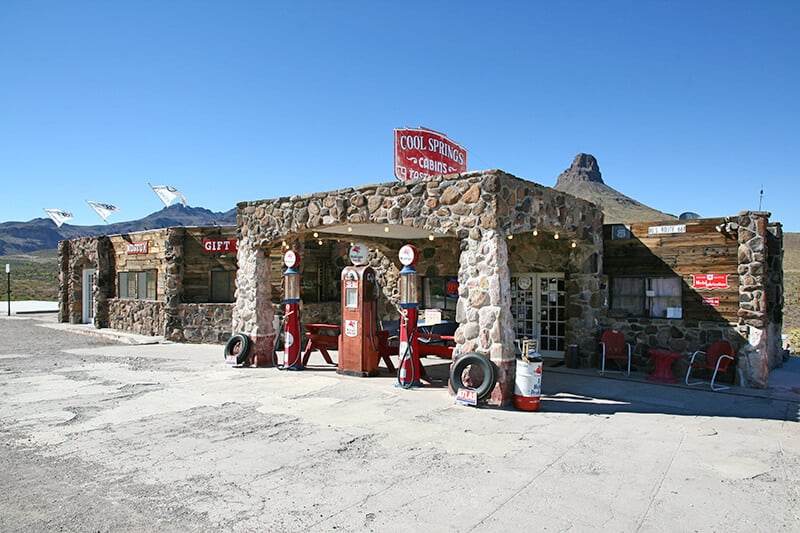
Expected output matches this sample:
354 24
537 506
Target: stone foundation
202 323
143 317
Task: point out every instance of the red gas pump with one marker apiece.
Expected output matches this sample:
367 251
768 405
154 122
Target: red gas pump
409 369
359 341
291 317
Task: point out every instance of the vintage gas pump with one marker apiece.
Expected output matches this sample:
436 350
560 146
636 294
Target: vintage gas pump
291 317
409 371
359 341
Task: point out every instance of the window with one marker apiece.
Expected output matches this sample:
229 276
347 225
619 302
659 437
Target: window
440 292
138 285
222 285
652 297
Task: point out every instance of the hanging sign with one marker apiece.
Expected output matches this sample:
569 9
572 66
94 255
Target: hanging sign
220 245
710 281
420 153
713 302
137 248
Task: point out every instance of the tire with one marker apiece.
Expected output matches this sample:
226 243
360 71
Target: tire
239 346
489 374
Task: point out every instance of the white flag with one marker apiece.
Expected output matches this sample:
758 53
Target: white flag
104 210
58 216
167 194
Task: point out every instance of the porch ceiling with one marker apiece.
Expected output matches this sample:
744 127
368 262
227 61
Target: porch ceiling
395 231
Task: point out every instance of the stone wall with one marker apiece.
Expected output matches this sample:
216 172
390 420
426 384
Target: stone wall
144 317
202 323
479 210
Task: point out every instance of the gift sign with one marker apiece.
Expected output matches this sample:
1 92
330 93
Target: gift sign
710 281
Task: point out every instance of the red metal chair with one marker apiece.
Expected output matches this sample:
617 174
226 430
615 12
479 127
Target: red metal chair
717 358
615 349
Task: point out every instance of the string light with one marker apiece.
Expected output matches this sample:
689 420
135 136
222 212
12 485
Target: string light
574 244
556 236
430 237
319 242
535 232
350 229
316 234
386 229
510 237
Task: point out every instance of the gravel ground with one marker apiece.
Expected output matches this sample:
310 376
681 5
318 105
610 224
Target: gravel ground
102 436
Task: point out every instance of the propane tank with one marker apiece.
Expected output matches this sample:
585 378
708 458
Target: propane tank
528 383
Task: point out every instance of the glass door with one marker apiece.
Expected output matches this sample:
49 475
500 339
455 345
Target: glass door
538 304
89 280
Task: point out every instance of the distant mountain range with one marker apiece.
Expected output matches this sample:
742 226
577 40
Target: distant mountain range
43 234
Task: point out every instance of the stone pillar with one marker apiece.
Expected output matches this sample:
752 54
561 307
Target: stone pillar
484 307
63 280
106 281
253 314
173 283
756 310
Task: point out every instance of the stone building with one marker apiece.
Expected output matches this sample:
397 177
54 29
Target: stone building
174 282
503 258
488 230
529 262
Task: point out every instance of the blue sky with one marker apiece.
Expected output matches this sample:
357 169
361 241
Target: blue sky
688 106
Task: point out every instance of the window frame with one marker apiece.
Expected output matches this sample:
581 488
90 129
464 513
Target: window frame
137 284
661 297
231 290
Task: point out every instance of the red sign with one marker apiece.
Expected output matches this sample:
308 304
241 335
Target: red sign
710 281
451 288
419 153
220 246
140 247
714 302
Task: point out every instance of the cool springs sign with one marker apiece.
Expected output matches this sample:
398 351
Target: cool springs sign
419 153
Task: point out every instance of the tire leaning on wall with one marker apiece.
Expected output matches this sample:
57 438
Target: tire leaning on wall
239 346
484 390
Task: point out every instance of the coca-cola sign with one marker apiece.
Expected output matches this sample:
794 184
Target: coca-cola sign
420 153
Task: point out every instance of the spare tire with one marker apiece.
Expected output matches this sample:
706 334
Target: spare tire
239 346
488 369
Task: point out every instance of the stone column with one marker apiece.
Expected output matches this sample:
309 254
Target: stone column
484 307
173 279
755 318
63 280
105 281
253 314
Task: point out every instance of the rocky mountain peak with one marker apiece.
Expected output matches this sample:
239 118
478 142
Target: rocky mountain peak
584 168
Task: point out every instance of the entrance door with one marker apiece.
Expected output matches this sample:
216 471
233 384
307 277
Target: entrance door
538 306
89 279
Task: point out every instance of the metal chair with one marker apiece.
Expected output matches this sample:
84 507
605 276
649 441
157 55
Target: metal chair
615 348
718 358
